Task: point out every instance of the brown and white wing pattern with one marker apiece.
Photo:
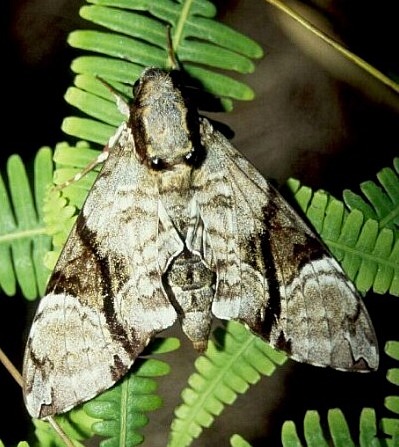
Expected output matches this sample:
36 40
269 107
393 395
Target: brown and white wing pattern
178 225
105 298
273 274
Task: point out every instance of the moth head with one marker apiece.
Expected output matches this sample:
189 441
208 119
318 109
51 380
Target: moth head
163 122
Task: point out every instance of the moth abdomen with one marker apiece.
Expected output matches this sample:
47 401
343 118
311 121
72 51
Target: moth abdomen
190 286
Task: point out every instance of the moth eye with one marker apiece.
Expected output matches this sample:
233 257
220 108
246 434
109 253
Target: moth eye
157 164
191 157
195 157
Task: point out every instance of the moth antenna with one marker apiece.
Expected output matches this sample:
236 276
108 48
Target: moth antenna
171 52
121 102
89 167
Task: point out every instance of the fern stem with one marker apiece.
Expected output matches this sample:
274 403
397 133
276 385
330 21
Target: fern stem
200 403
333 43
389 218
361 254
22 234
177 35
124 412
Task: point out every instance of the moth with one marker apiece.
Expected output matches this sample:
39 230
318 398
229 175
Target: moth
180 226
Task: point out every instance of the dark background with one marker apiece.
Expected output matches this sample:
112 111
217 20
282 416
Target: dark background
315 117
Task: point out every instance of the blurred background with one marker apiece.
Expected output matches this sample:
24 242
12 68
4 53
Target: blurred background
315 117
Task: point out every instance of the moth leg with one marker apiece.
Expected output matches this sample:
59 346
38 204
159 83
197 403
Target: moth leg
97 161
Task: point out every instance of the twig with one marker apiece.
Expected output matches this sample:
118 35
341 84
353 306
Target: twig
60 431
333 43
11 368
18 378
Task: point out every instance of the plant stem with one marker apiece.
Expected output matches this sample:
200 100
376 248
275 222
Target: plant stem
18 378
333 43
11 368
181 22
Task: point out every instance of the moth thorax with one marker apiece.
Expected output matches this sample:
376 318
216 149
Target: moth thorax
166 131
176 179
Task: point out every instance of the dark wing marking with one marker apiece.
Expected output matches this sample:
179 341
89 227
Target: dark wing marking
272 272
106 289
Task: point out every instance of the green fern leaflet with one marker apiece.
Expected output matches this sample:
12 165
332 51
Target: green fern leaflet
118 414
236 360
135 37
368 254
381 201
339 435
121 410
23 238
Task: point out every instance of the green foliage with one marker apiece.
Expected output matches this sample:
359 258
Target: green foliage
135 38
372 433
236 360
368 254
380 203
339 434
238 441
60 208
75 425
20 444
390 426
364 238
119 413
121 410
23 238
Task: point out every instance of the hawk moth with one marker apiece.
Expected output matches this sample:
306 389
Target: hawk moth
179 225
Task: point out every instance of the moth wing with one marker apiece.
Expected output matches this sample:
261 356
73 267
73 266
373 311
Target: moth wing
105 299
273 274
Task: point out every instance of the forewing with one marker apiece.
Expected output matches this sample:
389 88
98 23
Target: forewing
273 273
105 298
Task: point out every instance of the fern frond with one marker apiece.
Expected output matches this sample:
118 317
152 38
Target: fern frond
60 209
20 444
121 410
238 441
390 426
368 429
369 255
339 434
69 161
380 201
235 361
23 238
75 424
135 38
